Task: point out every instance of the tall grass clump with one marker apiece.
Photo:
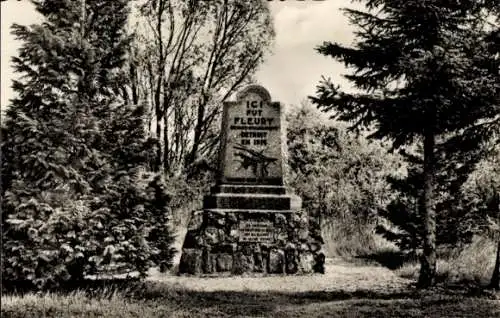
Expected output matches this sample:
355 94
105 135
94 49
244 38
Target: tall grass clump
341 179
472 263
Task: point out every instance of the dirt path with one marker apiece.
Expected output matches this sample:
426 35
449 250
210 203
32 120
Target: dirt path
339 276
345 290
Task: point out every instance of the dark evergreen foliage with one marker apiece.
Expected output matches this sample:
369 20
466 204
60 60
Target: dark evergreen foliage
78 198
426 74
405 215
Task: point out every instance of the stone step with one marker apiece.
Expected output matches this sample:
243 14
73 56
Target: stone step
243 188
250 211
249 201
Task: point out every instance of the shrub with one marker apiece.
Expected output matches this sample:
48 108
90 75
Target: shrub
124 232
463 206
340 177
78 199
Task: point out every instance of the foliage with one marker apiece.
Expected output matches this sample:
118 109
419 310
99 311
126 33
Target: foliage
425 73
187 194
460 215
340 177
480 196
481 201
188 56
78 199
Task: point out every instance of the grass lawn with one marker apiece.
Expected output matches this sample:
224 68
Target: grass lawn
251 304
346 290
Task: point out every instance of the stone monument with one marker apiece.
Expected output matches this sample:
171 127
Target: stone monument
249 223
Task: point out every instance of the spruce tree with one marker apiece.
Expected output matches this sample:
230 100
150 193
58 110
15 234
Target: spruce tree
424 76
77 197
404 212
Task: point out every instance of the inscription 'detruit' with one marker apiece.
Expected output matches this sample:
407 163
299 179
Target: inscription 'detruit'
256 231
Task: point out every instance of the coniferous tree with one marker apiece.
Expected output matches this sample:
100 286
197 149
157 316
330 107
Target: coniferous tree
77 197
427 77
404 212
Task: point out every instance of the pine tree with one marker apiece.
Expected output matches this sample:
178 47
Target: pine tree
428 78
404 213
77 197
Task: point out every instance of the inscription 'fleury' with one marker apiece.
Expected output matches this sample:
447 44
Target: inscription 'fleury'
258 121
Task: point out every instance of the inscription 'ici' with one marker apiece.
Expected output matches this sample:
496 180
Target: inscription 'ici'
254 108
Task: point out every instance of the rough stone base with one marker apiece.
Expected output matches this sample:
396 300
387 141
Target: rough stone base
212 245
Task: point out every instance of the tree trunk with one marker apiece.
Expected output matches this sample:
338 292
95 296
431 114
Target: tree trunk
166 139
158 108
198 129
428 259
159 118
495 278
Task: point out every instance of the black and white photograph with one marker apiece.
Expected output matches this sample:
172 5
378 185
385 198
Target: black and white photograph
250 158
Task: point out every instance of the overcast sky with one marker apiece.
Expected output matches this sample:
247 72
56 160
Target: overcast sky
290 74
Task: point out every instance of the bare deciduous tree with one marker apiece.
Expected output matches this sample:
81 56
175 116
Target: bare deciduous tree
188 57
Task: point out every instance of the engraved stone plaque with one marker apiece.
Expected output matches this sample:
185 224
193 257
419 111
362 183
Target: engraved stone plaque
256 231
